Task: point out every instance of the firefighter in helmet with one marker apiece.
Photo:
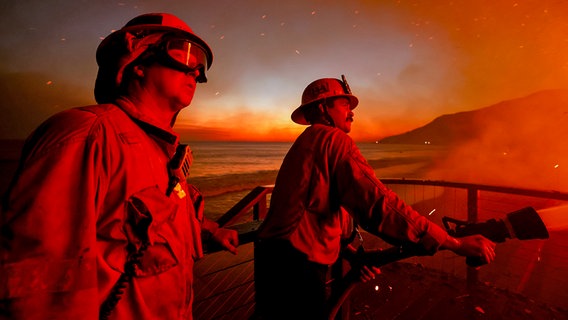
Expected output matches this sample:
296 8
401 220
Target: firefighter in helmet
318 100
323 189
100 221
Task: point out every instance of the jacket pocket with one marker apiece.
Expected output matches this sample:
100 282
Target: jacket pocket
150 230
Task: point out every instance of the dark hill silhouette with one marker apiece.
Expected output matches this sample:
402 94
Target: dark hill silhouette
520 142
536 118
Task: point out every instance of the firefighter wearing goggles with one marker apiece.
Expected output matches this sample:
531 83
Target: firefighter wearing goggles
101 219
162 38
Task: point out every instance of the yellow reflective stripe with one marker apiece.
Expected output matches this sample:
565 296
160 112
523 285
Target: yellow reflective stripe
33 276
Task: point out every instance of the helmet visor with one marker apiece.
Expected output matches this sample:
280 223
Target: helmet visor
186 56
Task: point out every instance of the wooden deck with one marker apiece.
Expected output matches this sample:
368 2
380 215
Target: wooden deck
403 291
224 285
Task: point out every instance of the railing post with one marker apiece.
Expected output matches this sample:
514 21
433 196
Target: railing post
472 217
472 208
259 209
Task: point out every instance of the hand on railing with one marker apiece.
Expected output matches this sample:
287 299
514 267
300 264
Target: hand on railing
476 242
227 238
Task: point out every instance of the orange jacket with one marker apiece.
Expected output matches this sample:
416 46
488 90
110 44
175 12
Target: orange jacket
92 185
323 173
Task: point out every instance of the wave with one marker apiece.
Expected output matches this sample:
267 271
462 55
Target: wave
224 186
215 185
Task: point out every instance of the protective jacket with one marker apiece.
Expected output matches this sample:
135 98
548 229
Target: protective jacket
324 172
90 195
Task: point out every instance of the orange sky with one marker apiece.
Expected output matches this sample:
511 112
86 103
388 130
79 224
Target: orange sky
407 61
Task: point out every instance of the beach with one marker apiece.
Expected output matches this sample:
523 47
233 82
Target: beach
226 171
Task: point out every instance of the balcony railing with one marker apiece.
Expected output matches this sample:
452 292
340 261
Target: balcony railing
225 284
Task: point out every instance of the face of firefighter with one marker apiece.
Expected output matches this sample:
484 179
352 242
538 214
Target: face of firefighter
341 113
174 89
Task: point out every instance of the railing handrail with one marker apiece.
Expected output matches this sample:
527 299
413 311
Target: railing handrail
552 194
256 199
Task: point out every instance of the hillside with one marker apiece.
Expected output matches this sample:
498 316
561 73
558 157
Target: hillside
537 116
519 142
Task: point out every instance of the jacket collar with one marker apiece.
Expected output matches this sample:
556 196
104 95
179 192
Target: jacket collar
147 124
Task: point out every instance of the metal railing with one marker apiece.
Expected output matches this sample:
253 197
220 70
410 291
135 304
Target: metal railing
248 213
257 199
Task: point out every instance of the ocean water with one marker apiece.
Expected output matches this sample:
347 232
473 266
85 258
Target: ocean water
232 158
229 158
226 171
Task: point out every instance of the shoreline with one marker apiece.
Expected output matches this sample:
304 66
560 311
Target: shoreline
221 193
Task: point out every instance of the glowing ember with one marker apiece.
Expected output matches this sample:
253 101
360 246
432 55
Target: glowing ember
479 309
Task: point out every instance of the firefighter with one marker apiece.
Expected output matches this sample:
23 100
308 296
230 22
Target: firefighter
323 186
100 221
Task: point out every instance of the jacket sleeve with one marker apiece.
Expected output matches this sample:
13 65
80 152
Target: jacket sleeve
47 248
378 209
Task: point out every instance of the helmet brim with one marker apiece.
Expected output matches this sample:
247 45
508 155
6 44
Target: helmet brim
298 113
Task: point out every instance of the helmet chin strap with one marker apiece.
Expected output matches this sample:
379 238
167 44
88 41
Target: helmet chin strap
326 115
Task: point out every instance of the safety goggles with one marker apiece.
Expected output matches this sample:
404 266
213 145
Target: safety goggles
182 54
